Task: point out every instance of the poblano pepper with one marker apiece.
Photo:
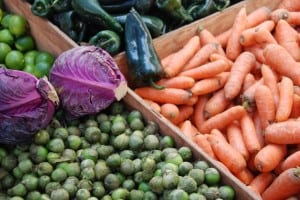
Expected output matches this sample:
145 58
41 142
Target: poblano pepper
61 5
143 62
204 8
41 8
92 11
175 9
107 40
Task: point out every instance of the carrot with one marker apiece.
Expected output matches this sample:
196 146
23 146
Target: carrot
185 113
296 90
259 131
292 160
207 70
296 106
235 139
229 156
287 132
285 105
287 37
248 36
201 56
169 111
182 56
180 82
193 100
248 95
244 63
203 143
198 116
290 5
269 157
264 36
285 185
248 81
221 120
245 176
234 47
216 104
166 95
261 181
209 85
278 58
292 17
254 18
153 105
188 129
217 56
207 37
166 60
249 134
270 80
257 51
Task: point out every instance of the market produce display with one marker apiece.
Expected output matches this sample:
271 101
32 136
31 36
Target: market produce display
236 96
102 22
114 154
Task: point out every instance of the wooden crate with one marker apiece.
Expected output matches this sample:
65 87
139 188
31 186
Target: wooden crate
51 39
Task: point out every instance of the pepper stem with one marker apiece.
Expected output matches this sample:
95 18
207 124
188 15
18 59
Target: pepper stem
156 86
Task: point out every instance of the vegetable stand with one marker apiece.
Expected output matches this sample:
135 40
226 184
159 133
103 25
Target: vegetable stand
164 45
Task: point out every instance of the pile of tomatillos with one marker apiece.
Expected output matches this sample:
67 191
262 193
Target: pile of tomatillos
114 154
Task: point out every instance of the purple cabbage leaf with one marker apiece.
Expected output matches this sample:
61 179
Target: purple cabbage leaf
87 80
27 104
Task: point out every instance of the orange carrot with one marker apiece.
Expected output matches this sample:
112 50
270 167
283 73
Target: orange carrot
248 81
167 59
216 104
203 143
297 90
229 156
285 105
278 58
287 132
207 70
182 56
209 85
169 111
290 5
244 63
270 80
198 116
245 176
296 106
285 185
188 129
153 105
265 105
269 157
207 37
248 36
259 131
261 181
201 56
235 139
291 17
185 113
234 47
248 95
257 51
221 120
249 134
193 100
292 160
217 56
180 82
264 36
287 37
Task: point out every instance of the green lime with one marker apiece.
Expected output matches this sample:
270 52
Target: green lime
29 57
5 20
17 25
227 192
25 43
6 37
29 68
212 176
14 60
43 56
4 49
42 69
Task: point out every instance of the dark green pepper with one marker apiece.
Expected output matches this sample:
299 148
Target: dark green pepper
143 6
221 4
175 9
70 24
93 12
107 40
61 5
106 2
41 8
207 7
155 25
143 62
121 7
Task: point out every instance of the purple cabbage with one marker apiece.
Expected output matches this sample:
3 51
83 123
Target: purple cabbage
27 104
87 80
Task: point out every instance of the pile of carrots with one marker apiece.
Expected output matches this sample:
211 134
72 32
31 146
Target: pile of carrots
237 96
